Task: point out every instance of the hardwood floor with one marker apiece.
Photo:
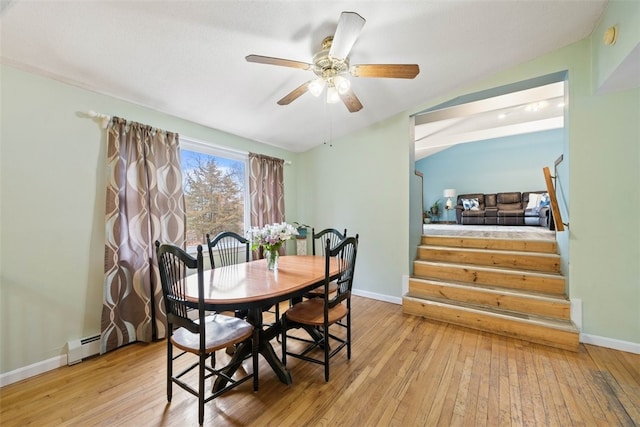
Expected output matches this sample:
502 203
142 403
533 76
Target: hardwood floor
404 371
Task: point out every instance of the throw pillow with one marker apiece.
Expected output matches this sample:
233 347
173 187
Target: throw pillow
470 204
544 200
534 200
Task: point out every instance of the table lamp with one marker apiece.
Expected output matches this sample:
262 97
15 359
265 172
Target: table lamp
449 193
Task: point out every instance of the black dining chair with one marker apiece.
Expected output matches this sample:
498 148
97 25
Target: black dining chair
320 237
322 313
203 336
232 248
334 236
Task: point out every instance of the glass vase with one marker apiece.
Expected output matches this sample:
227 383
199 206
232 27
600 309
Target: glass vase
272 256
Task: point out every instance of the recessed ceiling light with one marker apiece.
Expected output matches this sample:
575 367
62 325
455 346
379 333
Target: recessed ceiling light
536 106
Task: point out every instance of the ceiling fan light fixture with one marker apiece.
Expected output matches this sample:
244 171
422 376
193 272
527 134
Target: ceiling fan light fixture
332 69
316 87
342 84
332 95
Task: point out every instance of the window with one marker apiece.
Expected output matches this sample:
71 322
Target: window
215 186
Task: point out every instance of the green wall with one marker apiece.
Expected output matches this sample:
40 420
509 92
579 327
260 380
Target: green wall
361 183
625 16
52 185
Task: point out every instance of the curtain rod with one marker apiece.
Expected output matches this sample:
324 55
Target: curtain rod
104 121
104 118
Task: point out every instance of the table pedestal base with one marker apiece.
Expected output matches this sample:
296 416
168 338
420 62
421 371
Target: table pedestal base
264 348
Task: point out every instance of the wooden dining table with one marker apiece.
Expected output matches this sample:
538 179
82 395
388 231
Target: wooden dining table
251 286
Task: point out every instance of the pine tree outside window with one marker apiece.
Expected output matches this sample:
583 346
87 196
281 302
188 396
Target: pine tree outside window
215 183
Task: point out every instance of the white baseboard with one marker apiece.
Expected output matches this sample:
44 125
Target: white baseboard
613 343
576 317
379 297
32 370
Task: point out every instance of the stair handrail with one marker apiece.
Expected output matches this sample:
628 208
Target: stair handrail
555 209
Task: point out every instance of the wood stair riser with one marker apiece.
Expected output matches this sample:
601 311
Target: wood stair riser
548 263
558 307
529 281
541 246
512 327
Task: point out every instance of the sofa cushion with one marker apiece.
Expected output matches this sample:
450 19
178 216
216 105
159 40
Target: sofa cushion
472 212
509 198
509 206
490 200
510 212
509 201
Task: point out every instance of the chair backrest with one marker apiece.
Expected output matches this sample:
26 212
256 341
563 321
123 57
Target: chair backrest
345 253
174 265
230 248
332 234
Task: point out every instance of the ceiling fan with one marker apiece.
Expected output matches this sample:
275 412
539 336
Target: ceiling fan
331 66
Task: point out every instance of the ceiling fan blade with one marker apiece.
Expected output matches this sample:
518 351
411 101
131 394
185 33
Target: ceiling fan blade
295 94
347 32
351 101
278 61
396 71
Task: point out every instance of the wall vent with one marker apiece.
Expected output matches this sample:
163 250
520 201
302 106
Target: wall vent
82 348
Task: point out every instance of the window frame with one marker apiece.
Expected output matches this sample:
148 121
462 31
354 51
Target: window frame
208 148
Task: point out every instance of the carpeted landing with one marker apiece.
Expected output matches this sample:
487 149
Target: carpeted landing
495 231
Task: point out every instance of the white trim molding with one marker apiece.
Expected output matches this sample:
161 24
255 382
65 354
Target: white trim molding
615 344
379 297
32 370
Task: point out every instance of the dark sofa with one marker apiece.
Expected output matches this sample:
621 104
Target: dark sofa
509 208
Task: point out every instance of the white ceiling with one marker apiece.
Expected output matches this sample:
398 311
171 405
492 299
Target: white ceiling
518 112
186 58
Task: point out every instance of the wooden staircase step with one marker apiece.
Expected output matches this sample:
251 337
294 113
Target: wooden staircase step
512 287
548 283
524 245
555 333
544 262
516 301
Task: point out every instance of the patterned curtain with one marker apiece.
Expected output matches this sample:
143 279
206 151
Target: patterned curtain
145 203
266 189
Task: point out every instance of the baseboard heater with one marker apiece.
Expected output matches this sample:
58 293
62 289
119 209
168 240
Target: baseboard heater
82 348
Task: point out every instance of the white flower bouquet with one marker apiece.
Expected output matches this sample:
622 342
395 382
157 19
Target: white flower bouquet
271 236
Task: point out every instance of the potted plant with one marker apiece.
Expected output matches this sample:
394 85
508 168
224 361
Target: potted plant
302 230
434 210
